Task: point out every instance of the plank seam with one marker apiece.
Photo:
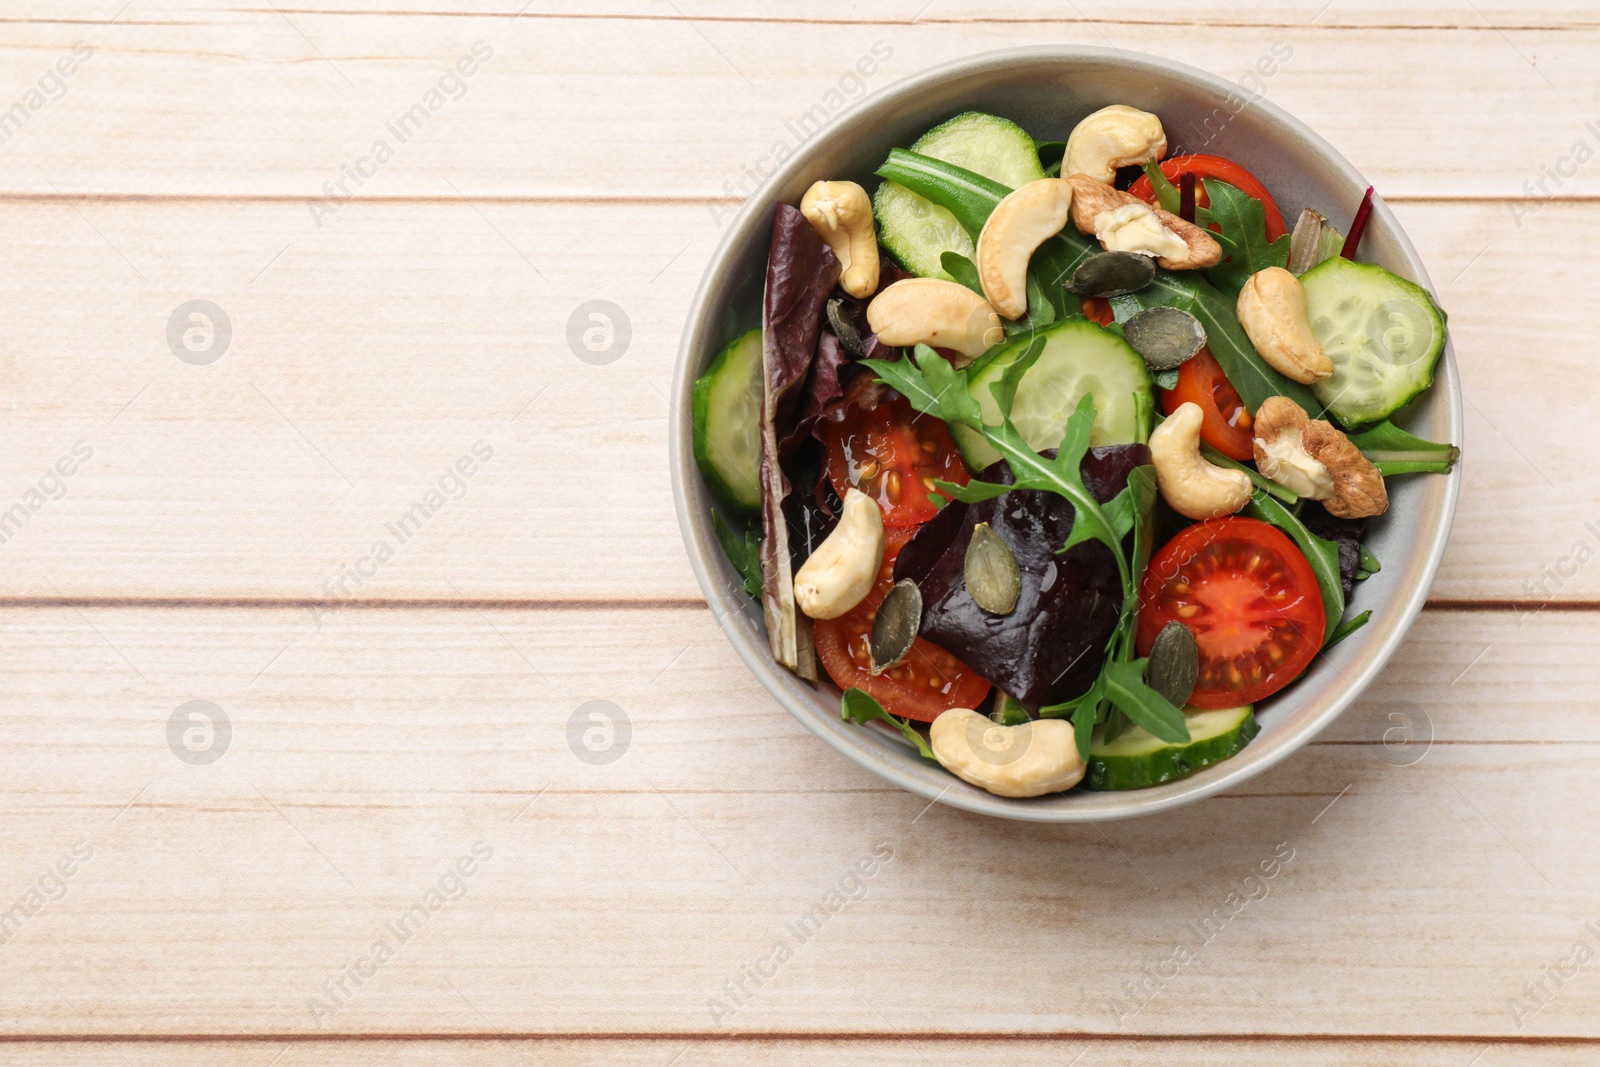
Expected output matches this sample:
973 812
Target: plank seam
836 1036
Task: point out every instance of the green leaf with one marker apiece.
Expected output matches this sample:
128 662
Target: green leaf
859 707
1345 629
935 388
1051 155
1394 451
960 268
1248 373
743 550
942 394
1261 481
967 195
1167 194
1126 688
974 492
1165 379
1322 555
1083 720
1368 562
1244 227
949 385
1005 390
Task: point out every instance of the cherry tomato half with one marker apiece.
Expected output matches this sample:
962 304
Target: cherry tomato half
1228 426
1249 597
1098 309
894 455
928 681
1224 170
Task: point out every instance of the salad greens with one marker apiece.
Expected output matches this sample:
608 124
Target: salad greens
1043 445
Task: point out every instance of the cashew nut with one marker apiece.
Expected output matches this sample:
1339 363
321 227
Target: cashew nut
1124 223
1030 760
1115 136
842 214
841 572
1193 486
1019 224
1315 459
1272 310
932 311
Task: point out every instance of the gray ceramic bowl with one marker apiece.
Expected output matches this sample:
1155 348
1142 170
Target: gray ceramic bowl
1047 90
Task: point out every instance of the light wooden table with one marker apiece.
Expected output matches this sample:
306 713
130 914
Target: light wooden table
228 911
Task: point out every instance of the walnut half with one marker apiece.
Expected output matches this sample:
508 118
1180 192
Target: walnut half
1315 459
1098 209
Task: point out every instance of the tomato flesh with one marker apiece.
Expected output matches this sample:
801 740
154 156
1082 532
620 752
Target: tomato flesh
929 680
1228 426
1250 599
1203 166
894 455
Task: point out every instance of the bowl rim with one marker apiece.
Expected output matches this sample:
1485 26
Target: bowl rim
864 746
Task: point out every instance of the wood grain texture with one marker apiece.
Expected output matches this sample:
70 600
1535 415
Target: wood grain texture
368 756
265 102
794 1052
1441 832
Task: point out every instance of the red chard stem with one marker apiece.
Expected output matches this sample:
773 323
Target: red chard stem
1358 227
1186 196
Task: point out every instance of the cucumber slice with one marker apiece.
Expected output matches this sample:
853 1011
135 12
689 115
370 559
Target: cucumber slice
1079 357
1137 760
1383 333
916 231
727 423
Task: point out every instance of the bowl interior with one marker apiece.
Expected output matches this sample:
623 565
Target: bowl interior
1046 91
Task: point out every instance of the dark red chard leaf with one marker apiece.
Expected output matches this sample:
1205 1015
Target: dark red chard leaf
1358 227
801 272
1050 647
822 388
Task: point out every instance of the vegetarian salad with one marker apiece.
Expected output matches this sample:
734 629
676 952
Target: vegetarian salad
1058 457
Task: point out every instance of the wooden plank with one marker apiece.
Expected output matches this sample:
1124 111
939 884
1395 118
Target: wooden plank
366 758
383 346
263 102
709 1052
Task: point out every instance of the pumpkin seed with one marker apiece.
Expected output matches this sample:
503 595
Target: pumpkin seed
895 627
1112 274
1174 665
846 330
1166 337
993 578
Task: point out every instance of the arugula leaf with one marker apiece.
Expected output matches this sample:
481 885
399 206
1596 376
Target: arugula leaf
1261 481
1394 451
935 388
962 270
1125 686
1005 390
974 492
1322 555
743 551
1368 562
1244 225
1084 718
1345 629
1167 195
859 707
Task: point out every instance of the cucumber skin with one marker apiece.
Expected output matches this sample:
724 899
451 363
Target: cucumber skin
975 450
700 403
1170 763
1356 420
903 253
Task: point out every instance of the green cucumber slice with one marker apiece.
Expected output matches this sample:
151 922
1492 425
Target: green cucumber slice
1138 760
1079 357
1383 333
727 423
915 231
